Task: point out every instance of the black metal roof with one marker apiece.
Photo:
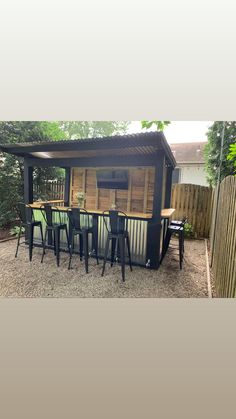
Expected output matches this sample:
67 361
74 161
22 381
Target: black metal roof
143 143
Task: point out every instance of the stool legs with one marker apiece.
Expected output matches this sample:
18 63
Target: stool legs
56 238
45 241
122 256
95 243
129 254
165 245
85 248
181 245
181 249
71 249
96 248
57 245
18 242
105 255
117 242
41 232
31 235
83 244
67 238
113 248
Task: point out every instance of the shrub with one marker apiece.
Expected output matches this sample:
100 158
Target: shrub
15 230
188 230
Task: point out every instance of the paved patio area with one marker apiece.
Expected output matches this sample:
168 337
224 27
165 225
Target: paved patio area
20 278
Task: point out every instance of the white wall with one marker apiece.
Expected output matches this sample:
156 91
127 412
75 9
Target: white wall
193 173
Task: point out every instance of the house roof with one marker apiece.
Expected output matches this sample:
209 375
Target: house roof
189 152
120 145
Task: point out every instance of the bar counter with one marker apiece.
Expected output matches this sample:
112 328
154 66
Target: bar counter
137 226
165 212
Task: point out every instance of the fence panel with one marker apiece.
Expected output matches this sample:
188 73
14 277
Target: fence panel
223 239
50 190
195 203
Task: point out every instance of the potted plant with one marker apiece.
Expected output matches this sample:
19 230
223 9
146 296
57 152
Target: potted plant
81 199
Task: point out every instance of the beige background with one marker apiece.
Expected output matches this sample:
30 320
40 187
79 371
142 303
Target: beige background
117 358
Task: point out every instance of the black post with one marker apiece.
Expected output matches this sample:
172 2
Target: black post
28 196
168 187
154 225
28 183
95 234
67 187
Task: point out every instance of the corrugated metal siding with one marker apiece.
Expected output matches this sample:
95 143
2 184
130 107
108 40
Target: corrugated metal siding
137 230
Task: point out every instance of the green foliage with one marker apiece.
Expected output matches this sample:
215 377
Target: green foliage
15 230
232 154
12 167
212 150
89 129
188 230
159 125
29 131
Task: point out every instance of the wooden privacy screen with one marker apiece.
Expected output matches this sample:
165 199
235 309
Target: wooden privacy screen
138 197
223 238
195 203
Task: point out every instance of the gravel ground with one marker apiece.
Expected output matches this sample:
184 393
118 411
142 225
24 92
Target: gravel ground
20 278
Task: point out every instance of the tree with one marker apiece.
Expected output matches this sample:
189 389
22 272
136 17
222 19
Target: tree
89 129
213 147
11 167
232 154
160 125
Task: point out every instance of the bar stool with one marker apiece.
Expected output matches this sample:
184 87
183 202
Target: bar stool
77 229
180 223
117 234
54 228
174 229
28 222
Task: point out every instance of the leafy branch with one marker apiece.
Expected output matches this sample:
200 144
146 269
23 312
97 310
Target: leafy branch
160 125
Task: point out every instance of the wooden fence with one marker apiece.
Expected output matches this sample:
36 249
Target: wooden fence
223 238
50 189
195 203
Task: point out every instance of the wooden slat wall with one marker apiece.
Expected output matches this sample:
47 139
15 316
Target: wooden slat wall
223 247
193 202
138 197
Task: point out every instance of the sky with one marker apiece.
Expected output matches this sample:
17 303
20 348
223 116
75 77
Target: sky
179 131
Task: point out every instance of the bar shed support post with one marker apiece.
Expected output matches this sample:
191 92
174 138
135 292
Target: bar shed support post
168 187
154 225
67 187
28 191
28 183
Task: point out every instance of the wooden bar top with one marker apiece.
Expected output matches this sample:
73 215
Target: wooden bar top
165 213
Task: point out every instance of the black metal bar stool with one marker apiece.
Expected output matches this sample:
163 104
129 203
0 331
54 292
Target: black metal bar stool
81 229
27 222
180 223
171 230
54 229
117 235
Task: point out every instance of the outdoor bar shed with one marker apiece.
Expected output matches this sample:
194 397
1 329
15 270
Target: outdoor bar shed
131 173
